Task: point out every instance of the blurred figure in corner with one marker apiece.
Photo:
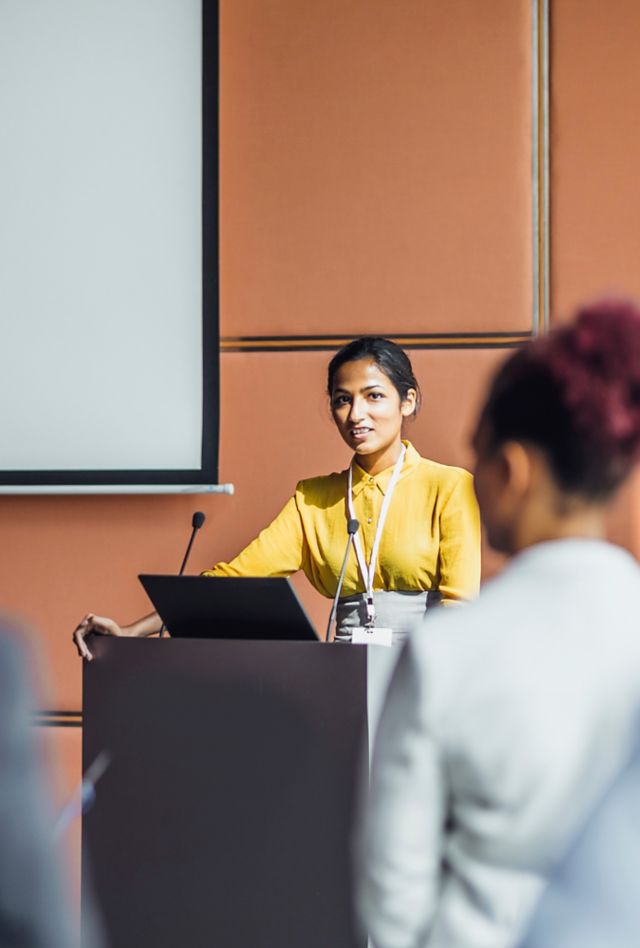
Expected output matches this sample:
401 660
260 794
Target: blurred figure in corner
33 908
507 721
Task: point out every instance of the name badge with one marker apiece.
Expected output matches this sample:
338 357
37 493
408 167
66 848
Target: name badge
372 636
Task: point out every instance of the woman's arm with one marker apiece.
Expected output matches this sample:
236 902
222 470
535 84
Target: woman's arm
276 551
459 554
147 625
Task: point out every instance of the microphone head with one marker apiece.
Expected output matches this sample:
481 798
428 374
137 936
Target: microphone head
353 526
197 520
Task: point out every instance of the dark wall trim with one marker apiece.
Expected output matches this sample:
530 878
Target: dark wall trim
57 718
472 340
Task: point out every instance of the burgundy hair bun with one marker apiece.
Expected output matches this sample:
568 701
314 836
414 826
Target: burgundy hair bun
596 362
576 395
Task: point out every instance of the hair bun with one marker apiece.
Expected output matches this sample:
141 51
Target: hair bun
596 362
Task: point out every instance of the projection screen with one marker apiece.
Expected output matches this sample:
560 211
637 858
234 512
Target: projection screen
108 245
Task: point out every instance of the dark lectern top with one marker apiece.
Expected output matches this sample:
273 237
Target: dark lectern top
229 607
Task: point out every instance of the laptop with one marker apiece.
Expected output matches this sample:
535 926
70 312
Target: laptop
229 607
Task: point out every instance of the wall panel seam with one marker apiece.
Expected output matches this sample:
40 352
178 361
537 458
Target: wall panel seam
483 340
540 164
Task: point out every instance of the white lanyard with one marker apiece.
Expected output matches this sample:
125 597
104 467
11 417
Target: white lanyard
368 572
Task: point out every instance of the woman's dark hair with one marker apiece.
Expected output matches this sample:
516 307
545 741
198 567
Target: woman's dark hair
389 357
576 395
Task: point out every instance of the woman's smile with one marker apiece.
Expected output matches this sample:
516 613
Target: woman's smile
360 433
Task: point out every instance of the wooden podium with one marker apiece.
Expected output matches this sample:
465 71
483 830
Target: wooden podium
225 816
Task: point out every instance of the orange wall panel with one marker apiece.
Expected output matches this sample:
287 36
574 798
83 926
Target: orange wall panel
595 151
375 166
595 155
64 556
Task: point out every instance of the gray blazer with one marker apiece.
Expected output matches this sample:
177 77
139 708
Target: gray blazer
33 911
505 721
593 900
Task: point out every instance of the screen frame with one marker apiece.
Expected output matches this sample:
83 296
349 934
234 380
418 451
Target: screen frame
207 474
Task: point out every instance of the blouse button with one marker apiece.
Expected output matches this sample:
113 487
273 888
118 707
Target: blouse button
369 519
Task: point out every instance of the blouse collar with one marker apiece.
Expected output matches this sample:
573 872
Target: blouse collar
381 480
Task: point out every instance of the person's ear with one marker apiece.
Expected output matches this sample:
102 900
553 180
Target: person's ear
408 403
517 467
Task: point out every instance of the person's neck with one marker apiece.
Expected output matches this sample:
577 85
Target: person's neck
586 524
379 461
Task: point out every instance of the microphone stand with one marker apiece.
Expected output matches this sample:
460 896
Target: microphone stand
352 528
196 522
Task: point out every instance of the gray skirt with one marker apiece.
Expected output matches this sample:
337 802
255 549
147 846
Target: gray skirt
399 611
402 612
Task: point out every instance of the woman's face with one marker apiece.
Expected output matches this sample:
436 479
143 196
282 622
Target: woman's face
367 408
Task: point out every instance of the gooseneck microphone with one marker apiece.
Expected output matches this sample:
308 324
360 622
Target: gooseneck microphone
196 522
352 528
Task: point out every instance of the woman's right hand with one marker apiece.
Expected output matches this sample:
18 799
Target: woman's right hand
99 624
147 625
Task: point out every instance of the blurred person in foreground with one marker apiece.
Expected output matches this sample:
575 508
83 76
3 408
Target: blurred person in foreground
507 722
33 909
592 901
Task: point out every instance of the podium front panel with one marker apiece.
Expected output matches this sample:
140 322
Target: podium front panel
225 816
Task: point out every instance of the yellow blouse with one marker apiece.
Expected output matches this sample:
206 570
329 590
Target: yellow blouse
431 539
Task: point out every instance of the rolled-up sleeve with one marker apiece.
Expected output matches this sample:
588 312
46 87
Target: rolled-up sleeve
276 551
398 851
